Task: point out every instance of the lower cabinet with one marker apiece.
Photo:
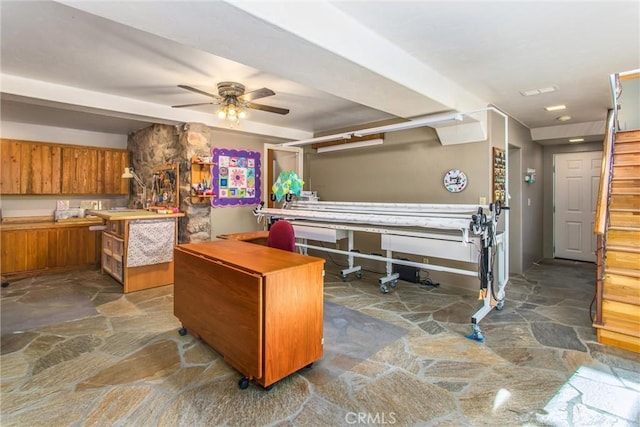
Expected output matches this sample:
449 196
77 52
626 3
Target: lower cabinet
56 248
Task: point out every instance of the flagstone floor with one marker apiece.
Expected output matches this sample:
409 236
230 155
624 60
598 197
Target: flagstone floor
75 351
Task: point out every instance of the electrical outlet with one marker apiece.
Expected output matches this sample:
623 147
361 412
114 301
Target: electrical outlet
425 260
483 200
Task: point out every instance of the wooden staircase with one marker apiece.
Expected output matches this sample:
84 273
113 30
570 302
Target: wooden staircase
620 309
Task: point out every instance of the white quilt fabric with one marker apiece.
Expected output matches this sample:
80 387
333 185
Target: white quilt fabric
150 242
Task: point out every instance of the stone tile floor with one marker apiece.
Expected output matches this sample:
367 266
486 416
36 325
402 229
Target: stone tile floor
76 351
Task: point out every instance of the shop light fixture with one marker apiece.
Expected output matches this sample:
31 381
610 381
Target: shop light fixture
411 124
350 145
576 140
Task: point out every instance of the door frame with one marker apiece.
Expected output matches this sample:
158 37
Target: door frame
270 154
555 199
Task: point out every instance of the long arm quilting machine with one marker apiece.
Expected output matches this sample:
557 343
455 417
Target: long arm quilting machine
449 231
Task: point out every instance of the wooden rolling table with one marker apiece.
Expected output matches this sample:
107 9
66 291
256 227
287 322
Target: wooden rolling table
261 308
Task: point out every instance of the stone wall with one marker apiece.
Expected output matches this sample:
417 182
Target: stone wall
160 145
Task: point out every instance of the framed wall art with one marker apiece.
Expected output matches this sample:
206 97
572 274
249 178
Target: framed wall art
236 177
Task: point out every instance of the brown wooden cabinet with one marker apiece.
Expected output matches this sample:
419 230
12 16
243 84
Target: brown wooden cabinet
30 167
29 248
261 308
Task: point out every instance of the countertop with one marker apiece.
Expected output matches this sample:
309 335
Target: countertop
38 223
94 217
116 215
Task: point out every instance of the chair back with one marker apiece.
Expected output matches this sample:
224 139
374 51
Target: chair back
282 236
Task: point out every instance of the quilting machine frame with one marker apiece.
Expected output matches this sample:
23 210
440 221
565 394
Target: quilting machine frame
457 232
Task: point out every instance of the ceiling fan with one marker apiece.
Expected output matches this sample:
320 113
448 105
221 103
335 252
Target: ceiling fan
233 100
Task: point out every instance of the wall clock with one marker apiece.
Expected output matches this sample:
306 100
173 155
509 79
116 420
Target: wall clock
455 181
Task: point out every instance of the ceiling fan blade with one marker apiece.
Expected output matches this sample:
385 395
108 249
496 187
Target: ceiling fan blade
194 105
201 92
256 94
268 108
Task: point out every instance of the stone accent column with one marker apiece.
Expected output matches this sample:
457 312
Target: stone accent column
159 145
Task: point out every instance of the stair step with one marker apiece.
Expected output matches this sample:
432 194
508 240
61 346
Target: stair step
617 339
625 186
628 136
623 248
624 219
626 172
622 259
624 201
622 316
626 158
628 272
621 288
624 237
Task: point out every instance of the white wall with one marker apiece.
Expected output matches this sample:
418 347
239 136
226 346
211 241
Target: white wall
30 132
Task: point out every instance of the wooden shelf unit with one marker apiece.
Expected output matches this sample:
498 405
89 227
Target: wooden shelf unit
201 173
112 254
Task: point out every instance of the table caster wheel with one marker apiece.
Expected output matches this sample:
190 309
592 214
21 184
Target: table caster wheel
393 283
384 289
343 277
358 274
182 332
500 305
243 383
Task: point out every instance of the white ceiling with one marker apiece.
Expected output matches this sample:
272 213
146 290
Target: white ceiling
114 66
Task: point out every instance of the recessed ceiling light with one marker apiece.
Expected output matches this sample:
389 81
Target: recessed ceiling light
577 140
555 107
530 92
548 89
563 118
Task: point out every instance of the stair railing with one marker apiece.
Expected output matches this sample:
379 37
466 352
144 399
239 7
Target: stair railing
604 192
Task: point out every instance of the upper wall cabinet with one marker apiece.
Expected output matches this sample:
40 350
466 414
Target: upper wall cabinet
42 168
30 168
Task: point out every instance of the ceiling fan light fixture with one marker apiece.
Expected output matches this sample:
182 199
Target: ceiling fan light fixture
233 101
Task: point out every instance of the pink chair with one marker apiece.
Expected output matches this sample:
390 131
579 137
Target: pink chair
282 236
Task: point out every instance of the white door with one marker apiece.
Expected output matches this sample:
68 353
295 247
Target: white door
575 184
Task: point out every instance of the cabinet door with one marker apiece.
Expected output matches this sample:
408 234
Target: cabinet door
24 250
72 247
112 164
79 170
10 160
30 168
40 168
223 306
